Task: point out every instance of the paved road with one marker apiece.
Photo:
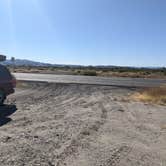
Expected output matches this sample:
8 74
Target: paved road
112 81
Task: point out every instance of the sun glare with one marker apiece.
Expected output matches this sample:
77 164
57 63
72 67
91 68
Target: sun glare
9 11
38 7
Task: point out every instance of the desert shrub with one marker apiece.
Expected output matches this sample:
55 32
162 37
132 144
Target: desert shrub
153 95
106 70
164 71
78 71
51 68
89 73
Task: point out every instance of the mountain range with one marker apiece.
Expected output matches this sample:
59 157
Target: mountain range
24 62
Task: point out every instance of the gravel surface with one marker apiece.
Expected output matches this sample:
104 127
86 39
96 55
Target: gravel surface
80 125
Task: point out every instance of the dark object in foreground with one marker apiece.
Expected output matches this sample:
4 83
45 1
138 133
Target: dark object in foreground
7 83
5 112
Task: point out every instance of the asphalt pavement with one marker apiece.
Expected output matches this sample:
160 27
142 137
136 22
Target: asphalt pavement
91 80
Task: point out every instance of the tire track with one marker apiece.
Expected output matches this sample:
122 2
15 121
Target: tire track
72 148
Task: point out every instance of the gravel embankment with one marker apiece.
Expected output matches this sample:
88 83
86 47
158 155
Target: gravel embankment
80 125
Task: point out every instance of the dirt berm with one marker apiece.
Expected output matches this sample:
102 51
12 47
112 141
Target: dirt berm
80 125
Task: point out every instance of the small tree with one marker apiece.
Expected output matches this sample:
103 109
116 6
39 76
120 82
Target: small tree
13 59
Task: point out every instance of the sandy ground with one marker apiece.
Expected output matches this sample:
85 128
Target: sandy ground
80 125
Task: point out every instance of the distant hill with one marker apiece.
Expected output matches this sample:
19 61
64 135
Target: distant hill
24 62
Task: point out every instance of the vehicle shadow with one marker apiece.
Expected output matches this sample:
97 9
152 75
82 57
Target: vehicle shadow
5 112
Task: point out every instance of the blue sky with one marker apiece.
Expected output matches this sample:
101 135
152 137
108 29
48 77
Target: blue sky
87 32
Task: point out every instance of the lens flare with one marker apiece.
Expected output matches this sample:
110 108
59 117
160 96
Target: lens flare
9 10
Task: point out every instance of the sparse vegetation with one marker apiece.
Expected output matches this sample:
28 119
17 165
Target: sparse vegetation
94 71
88 73
153 95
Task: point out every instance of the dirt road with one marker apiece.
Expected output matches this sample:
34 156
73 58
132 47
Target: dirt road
80 125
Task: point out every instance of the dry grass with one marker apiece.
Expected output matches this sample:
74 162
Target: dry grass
153 95
163 127
21 84
132 74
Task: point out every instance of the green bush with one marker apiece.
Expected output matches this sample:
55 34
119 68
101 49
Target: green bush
89 73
